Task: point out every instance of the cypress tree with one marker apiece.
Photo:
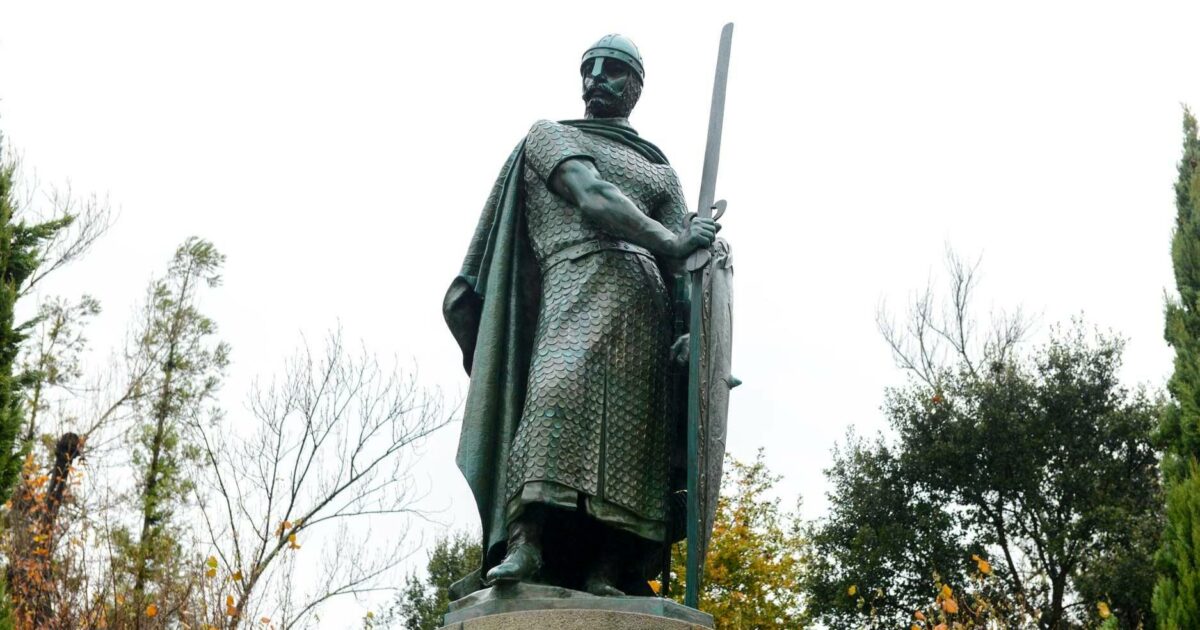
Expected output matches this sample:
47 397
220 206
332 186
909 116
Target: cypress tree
10 336
20 246
1177 593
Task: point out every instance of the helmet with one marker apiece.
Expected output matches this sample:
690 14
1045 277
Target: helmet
617 47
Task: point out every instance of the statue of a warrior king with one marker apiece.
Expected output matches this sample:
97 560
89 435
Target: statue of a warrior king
570 312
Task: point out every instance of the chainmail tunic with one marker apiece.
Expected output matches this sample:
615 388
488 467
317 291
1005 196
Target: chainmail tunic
594 428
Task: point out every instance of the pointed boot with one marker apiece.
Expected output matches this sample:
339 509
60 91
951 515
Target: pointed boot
524 556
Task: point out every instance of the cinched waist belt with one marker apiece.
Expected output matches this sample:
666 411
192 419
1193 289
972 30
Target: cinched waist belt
575 252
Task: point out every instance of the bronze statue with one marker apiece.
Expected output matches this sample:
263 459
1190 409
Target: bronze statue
571 312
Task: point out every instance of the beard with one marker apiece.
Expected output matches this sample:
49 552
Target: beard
610 104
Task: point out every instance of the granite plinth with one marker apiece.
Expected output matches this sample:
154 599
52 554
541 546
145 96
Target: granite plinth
535 606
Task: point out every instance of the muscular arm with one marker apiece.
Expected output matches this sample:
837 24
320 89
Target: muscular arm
602 203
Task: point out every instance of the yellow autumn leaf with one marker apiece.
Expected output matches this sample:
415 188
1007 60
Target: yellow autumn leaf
940 626
265 620
915 627
919 615
950 606
237 576
229 601
151 610
853 590
655 586
1105 613
292 542
212 573
120 599
946 592
211 562
370 615
985 567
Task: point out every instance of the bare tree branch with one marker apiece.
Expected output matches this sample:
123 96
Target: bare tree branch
931 345
328 445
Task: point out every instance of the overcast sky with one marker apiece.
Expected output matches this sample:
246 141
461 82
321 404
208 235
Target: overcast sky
339 154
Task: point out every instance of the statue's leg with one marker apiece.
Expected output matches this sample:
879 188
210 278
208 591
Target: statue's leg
614 557
524 556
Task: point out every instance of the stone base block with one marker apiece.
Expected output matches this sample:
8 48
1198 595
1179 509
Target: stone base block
538 607
573 620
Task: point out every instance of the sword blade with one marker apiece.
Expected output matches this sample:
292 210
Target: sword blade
716 119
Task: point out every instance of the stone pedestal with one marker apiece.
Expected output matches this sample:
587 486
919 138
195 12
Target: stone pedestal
537 607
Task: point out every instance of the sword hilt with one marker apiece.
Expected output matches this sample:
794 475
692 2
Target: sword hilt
720 208
700 257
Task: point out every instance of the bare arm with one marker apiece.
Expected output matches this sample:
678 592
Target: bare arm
602 203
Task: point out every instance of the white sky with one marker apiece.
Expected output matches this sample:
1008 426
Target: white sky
339 154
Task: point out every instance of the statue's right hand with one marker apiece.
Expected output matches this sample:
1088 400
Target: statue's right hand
699 233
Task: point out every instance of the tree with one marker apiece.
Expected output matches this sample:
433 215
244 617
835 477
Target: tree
1038 463
1177 593
29 250
884 539
176 339
422 603
37 236
328 446
756 557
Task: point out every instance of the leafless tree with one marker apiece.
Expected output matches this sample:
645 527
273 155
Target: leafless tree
935 334
329 444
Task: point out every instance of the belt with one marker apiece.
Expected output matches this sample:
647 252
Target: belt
575 252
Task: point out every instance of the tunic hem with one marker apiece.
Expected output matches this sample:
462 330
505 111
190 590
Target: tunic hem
565 498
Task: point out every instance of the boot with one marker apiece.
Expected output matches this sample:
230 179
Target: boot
603 577
524 556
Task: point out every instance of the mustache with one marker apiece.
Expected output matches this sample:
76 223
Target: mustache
600 89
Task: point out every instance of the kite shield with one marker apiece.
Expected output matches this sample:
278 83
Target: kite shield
716 345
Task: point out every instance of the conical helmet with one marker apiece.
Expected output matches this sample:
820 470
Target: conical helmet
617 47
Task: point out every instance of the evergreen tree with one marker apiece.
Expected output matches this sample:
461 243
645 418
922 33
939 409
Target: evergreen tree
1177 593
423 603
21 249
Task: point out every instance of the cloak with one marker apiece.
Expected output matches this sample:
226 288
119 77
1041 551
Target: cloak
491 309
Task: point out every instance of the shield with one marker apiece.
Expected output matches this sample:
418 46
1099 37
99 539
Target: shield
716 345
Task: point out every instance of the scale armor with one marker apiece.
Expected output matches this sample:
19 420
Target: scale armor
595 424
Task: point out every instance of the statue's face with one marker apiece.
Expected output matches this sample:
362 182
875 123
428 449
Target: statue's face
610 88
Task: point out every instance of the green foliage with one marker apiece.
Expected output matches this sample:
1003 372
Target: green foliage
1041 465
421 604
1178 588
1177 593
182 366
756 556
6 613
20 249
884 538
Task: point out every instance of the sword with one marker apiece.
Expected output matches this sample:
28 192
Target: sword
695 264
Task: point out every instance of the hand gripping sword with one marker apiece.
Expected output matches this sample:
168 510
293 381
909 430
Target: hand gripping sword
695 265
